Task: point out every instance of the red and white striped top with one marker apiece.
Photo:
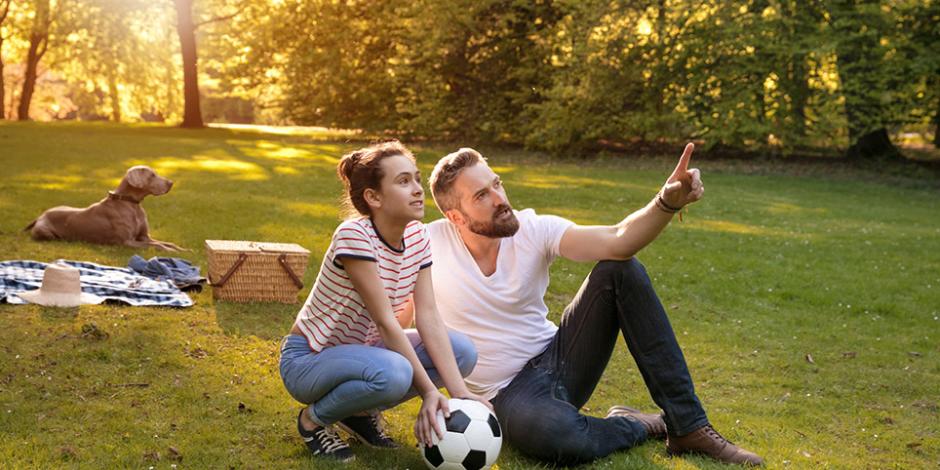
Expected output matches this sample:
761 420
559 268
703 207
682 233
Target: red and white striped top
334 312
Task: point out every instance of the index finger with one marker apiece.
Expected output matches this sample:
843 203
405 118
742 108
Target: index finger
683 165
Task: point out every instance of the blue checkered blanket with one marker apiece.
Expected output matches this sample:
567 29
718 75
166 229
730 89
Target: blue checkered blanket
114 284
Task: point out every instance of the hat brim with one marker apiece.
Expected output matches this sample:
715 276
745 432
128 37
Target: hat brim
59 300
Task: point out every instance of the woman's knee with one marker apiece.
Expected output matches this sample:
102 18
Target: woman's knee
464 351
392 376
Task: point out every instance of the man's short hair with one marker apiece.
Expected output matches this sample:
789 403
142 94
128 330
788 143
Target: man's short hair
446 171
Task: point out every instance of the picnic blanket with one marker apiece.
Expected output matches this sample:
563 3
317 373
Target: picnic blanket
120 285
179 271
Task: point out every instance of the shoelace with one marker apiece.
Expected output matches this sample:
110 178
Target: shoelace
378 423
330 440
711 431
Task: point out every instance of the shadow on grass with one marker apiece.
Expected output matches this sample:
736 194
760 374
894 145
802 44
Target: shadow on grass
264 320
58 314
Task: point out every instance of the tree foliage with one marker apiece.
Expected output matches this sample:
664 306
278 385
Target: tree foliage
778 76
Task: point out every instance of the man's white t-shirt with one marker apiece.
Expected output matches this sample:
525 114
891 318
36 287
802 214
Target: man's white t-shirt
505 313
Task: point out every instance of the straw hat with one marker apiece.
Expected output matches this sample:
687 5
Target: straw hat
60 288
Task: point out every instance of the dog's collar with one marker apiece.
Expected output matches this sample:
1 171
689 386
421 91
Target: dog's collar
121 197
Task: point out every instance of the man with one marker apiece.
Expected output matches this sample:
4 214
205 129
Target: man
491 267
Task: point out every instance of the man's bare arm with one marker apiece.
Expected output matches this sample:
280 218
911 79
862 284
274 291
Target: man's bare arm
632 234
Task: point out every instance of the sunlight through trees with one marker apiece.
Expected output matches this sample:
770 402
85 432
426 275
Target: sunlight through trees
777 76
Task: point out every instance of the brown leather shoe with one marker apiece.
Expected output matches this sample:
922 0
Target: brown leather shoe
705 440
654 424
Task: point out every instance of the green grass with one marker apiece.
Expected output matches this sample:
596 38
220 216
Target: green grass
767 271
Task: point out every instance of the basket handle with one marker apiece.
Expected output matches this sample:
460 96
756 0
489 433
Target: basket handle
241 259
290 272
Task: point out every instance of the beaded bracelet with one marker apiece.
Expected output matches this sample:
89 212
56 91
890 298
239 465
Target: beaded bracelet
661 204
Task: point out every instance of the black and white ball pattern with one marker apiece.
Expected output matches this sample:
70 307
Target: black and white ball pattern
472 439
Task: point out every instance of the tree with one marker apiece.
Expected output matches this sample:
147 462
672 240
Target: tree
341 62
769 76
186 29
4 13
38 45
923 24
858 26
115 58
471 68
607 77
192 113
936 110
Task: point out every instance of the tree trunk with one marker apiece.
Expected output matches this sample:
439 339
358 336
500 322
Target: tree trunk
3 91
757 78
172 85
796 82
29 80
114 96
873 145
658 86
936 125
12 101
192 115
799 92
38 40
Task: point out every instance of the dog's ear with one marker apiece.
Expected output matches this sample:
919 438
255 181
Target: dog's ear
137 176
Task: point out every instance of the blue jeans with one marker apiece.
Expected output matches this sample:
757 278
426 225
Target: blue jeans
539 409
341 381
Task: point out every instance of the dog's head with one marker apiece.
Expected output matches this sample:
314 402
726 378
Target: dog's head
143 179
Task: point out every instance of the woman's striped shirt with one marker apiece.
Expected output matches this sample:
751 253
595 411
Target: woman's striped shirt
334 313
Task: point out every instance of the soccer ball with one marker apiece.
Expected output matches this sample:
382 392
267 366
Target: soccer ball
472 438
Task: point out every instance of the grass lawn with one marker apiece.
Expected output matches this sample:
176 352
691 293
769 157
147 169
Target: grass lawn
808 306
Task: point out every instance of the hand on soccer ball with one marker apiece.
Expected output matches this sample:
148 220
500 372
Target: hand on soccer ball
426 426
472 438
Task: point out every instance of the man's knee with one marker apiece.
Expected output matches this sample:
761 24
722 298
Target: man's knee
559 439
464 351
629 271
575 449
553 433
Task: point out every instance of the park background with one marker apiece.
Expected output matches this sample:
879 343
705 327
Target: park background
803 288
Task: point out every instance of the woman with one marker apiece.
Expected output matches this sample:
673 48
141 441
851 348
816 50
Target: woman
347 355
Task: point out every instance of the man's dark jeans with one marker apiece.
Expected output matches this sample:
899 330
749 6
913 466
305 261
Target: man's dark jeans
538 410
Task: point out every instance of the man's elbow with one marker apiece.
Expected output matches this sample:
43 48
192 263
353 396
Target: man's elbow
622 253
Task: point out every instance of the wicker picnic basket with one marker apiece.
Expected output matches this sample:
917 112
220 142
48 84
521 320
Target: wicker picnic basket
244 271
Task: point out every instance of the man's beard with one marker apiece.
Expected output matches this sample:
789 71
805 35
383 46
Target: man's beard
496 228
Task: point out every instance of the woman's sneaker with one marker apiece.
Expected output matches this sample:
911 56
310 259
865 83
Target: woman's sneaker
324 441
368 430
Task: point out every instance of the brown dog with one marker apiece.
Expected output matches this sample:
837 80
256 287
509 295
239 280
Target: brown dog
115 220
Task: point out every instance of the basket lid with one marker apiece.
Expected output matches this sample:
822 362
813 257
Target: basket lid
242 246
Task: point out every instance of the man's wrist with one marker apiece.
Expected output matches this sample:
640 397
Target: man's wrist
664 206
